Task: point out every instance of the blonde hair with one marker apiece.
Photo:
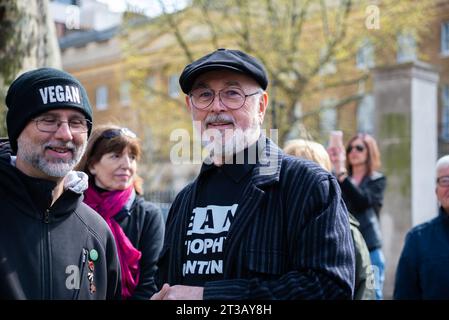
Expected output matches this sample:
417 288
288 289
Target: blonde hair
309 150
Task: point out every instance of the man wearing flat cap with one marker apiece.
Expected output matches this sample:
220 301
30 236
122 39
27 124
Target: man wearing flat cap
52 245
255 223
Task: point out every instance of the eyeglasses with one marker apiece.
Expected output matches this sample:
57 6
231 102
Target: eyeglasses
443 181
112 133
357 147
230 97
51 124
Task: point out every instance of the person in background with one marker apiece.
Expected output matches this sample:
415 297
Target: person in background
52 245
363 189
115 192
364 281
422 269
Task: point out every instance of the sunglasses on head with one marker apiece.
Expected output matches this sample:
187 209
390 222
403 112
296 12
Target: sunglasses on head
112 133
357 147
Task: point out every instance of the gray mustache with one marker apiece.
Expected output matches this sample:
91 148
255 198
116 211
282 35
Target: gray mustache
211 118
69 145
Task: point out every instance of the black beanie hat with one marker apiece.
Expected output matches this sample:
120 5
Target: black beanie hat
234 60
39 91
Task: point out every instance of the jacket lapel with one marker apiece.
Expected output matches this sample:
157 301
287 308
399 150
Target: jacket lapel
266 172
180 227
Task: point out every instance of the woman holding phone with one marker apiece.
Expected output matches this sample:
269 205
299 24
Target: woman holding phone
363 189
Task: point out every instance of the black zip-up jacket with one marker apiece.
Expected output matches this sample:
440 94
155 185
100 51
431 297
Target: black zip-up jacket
59 251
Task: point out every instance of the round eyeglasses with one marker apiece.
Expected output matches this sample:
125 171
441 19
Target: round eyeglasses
230 97
443 181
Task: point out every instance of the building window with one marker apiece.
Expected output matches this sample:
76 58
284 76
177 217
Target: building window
365 55
406 48
445 38
102 98
125 93
365 115
445 113
328 116
173 90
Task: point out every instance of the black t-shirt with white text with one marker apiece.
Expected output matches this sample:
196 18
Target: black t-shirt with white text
219 195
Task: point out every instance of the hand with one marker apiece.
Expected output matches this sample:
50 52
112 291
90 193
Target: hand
338 157
333 153
160 295
179 292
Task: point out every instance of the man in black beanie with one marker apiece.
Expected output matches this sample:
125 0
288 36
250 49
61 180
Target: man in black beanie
52 245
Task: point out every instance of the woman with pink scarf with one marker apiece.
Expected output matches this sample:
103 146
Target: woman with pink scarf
115 192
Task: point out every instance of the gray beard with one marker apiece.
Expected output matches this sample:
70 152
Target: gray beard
222 151
58 169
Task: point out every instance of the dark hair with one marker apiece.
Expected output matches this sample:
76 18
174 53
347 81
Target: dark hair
110 138
373 156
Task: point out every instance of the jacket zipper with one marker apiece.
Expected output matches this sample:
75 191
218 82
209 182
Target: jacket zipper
47 277
81 274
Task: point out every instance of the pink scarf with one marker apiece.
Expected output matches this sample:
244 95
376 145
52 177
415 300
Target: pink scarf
108 204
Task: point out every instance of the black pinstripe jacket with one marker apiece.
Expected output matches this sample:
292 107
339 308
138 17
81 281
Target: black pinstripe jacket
290 238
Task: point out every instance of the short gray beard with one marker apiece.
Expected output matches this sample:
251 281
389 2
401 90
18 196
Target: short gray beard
238 142
60 168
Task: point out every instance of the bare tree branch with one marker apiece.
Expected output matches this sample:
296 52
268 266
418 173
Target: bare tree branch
297 25
245 33
339 83
339 104
176 31
212 27
333 42
325 21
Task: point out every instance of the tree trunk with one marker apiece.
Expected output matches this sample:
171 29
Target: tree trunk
27 41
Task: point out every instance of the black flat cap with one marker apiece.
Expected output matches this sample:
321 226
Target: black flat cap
233 60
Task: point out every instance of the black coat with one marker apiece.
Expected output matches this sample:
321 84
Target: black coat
290 238
45 250
365 202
